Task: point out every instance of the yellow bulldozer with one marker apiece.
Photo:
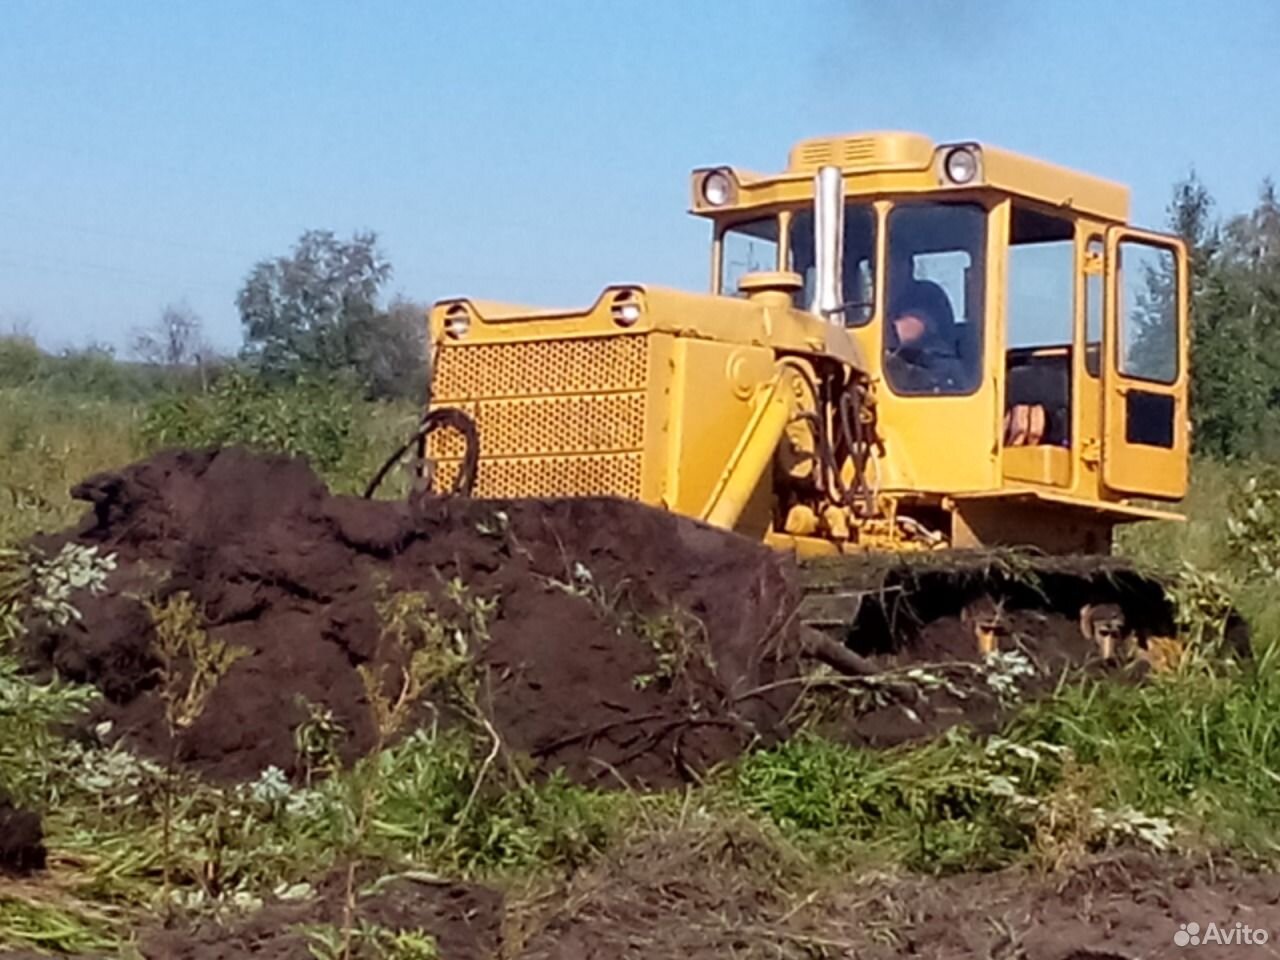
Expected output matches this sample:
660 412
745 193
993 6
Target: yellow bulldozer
906 348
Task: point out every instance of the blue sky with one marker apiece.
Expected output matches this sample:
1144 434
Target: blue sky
536 151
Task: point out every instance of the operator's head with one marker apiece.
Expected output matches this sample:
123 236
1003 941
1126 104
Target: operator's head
910 326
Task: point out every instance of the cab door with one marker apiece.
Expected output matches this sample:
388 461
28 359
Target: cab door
1144 382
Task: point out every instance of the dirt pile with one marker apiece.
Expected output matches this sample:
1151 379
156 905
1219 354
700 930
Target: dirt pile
21 839
618 642
463 920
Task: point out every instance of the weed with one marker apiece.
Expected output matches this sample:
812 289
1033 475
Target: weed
190 665
676 639
37 586
317 419
1253 525
51 442
368 941
1203 608
419 650
316 740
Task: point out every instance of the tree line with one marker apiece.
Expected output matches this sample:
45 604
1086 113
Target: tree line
1235 320
319 311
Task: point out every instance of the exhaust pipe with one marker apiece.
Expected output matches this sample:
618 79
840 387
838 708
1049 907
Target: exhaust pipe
828 245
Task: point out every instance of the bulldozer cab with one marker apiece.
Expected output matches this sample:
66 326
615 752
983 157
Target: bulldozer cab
905 344
1028 347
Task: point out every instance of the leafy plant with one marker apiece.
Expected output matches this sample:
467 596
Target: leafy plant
311 417
1253 526
316 740
35 585
369 941
676 639
420 649
191 664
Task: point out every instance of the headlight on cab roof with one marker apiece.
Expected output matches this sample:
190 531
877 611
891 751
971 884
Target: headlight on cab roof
961 164
718 188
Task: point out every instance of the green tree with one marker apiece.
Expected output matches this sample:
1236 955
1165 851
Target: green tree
1251 248
1235 296
391 356
317 311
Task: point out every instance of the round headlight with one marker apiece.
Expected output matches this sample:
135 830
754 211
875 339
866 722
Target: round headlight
717 188
457 322
625 309
961 165
626 314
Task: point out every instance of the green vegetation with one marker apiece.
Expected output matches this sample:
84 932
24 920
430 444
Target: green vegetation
51 438
1186 761
316 311
1235 319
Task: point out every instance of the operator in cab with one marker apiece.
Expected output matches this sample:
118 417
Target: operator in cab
922 354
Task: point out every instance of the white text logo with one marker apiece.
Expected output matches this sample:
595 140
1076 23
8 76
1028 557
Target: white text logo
1191 935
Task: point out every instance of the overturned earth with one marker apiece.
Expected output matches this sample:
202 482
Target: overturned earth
612 641
620 644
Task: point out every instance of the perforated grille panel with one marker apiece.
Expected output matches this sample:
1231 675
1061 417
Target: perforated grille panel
555 417
542 367
616 474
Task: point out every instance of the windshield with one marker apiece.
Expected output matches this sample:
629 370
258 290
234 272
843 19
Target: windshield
859 261
747 248
933 328
753 245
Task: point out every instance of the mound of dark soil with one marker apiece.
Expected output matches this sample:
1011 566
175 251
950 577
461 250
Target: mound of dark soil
624 642
21 839
464 919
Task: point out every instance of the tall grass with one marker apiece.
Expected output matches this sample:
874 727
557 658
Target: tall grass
50 440
48 443
1203 540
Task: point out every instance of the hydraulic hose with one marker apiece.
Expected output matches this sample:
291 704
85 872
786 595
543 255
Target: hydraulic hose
449 417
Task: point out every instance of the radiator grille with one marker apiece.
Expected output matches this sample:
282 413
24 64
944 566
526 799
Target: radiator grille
540 368
555 417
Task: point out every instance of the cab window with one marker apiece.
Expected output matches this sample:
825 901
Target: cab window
859 261
747 248
1148 327
933 327
1040 323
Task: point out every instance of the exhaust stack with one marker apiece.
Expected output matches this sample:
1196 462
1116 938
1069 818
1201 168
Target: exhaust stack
828 244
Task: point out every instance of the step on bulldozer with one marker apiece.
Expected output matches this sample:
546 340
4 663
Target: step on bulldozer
945 371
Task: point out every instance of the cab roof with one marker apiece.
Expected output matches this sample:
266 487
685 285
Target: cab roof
891 161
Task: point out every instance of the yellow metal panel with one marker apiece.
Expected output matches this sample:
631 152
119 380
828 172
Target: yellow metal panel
475 371
939 444
1117 512
609 474
889 150
713 387
948 444
879 163
1055 185
1130 468
1038 464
